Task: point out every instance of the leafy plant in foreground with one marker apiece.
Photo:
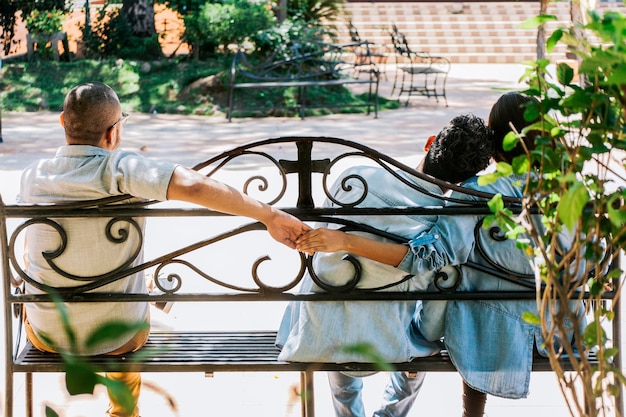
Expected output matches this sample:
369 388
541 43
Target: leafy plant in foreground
575 181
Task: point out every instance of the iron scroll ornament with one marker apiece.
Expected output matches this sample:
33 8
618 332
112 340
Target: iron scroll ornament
93 281
345 180
440 277
264 183
89 283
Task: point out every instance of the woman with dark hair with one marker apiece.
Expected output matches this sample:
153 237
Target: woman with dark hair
510 110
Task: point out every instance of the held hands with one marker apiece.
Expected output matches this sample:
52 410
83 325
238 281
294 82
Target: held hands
285 228
322 240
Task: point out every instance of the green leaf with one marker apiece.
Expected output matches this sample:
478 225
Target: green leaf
591 332
65 320
496 204
50 412
487 179
119 392
510 140
618 76
536 21
610 352
369 353
113 331
572 204
520 164
567 178
595 287
514 233
554 39
80 377
531 318
504 169
531 112
564 73
616 211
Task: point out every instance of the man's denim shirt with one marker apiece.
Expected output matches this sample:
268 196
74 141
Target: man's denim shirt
324 331
488 341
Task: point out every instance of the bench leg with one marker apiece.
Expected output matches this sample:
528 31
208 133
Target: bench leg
29 394
307 396
8 389
229 110
302 101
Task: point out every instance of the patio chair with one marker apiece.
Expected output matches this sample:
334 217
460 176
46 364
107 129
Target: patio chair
366 53
422 74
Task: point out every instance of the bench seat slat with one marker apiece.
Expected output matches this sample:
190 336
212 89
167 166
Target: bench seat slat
223 351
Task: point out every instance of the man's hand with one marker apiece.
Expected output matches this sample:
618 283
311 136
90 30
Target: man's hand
285 228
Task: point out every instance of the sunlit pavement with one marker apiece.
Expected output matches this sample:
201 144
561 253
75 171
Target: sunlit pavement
189 140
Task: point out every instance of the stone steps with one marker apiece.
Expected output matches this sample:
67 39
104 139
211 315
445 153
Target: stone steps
476 32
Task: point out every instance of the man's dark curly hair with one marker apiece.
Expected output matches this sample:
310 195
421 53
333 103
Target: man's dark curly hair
462 149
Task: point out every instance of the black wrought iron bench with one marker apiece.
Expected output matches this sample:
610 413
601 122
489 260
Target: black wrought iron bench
302 66
214 258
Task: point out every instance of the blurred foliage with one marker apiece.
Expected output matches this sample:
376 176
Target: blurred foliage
81 377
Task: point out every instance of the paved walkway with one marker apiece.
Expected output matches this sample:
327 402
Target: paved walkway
188 140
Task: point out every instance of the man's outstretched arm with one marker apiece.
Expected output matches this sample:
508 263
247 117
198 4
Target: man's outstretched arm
193 187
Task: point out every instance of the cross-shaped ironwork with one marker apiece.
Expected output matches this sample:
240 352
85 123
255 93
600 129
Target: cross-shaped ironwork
305 167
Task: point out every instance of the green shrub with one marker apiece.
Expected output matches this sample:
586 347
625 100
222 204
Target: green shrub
312 11
183 7
218 25
281 36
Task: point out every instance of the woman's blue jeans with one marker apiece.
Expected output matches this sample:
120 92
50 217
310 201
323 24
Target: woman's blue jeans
399 395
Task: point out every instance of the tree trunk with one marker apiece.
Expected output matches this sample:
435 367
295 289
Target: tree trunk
578 14
541 31
140 15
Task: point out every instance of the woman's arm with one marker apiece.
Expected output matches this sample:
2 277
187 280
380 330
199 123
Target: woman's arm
327 240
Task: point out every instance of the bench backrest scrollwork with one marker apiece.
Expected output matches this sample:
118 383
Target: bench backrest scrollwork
294 173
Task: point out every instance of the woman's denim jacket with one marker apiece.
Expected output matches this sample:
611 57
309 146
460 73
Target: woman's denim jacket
488 341
326 331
